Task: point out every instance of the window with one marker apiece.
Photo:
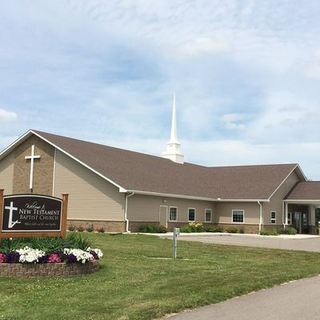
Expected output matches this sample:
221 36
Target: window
173 212
273 218
237 216
208 215
192 214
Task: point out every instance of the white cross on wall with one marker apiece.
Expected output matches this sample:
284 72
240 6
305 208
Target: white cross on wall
32 158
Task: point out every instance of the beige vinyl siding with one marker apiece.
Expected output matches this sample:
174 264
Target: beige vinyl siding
6 174
251 211
146 208
90 197
276 202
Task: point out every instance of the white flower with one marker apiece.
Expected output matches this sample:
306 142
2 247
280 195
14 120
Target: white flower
30 255
98 252
81 255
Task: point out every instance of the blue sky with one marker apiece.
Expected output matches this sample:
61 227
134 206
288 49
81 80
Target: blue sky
246 76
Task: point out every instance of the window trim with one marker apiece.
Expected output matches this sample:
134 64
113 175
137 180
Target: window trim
176 214
273 220
195 214
243 214
205 215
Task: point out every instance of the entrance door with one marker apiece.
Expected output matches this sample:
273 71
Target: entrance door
163 216
297 221
300 222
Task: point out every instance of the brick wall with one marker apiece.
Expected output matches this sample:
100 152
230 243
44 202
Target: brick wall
19 270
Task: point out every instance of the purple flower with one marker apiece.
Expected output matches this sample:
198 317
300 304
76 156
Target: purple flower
71 258
13 257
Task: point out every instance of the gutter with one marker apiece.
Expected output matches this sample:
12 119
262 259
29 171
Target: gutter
128 195
260 217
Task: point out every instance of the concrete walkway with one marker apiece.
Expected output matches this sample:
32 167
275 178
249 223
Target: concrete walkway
298 242
292 301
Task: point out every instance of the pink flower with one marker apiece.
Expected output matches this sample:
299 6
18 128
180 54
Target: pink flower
54 258
3 258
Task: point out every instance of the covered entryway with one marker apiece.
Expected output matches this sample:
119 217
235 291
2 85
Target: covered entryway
301 206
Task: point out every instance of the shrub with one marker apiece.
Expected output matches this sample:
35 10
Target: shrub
101 229
71 227
213 229
241 230
90 228
148 228
289 230
80 228
193 227
270 232
232 230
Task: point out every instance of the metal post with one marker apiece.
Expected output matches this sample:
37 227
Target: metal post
176 232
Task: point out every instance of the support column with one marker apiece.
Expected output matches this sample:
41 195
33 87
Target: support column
285 214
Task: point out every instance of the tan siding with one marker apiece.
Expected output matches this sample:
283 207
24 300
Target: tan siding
251 214
146 208
276 202
91 197
6 174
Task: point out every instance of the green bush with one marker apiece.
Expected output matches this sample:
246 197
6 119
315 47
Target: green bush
232 230
213 229
90 228
289 230
192 227
71 227
73 240
241 230
148 228
270 232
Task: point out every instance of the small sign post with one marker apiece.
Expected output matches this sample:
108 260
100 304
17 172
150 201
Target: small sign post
176 232
31 215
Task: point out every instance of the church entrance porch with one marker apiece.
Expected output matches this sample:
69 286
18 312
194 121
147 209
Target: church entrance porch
302 216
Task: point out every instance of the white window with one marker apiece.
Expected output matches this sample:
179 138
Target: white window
273 218
208 215
237 216
173 214
192 214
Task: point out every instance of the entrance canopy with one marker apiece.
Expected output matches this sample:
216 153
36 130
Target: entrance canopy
300 206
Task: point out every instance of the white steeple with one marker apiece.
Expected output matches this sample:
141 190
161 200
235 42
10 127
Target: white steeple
173 151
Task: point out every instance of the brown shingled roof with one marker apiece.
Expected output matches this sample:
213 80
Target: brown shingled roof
142 172
309 190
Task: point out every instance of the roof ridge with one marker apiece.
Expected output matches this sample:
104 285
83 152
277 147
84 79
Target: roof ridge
116 148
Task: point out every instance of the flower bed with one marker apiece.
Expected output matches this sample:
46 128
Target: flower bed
48 257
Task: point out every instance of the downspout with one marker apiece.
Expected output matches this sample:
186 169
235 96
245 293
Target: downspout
128 195
260 217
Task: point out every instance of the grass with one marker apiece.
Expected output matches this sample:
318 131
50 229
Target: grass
135 283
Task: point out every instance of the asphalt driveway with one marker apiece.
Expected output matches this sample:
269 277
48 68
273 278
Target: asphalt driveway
304 243
292 301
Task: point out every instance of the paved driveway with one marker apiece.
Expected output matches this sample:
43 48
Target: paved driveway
298 300
304 243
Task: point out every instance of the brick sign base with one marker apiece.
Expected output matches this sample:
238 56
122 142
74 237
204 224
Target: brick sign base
19 270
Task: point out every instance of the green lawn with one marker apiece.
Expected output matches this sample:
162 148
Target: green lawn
135 283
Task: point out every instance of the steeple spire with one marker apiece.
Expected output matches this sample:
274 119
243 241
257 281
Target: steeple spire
173 151
173 137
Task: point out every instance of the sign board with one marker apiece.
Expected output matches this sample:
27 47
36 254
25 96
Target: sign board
32 216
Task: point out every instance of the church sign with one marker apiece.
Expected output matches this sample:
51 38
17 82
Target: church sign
32 216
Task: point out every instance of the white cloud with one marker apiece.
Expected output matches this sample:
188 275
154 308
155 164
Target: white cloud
6 116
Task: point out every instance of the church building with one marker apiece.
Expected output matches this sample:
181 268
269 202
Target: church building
121 190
